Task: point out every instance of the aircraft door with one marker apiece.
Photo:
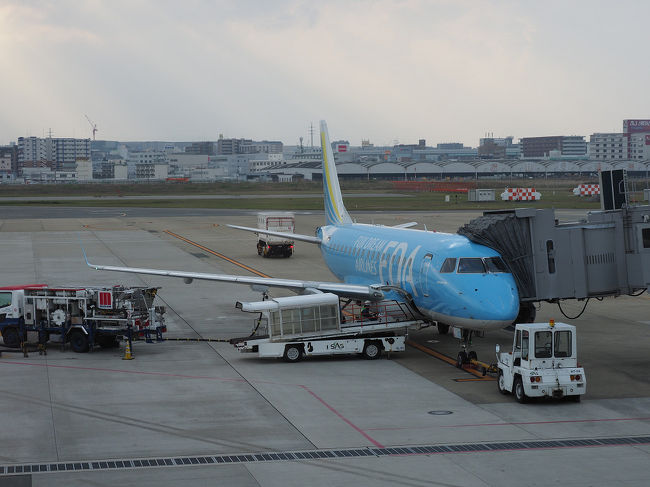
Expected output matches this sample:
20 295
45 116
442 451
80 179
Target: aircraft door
425 270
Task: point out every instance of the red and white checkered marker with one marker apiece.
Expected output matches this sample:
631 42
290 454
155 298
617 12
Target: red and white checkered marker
521 194
587 190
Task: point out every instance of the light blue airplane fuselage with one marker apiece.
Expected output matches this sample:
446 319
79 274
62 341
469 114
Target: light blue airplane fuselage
463 292
411 260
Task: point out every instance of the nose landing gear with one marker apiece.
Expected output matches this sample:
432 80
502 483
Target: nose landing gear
465 356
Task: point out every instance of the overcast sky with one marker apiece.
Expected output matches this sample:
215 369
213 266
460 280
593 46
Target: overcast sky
382 70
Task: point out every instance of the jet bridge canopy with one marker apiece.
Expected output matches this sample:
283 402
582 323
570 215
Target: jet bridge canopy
608 254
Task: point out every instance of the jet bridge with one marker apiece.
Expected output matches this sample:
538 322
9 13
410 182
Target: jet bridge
608 254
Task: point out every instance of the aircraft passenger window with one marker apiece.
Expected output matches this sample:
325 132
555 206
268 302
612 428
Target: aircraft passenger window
449 265
471 265
563 347
543 344
646 238
495 264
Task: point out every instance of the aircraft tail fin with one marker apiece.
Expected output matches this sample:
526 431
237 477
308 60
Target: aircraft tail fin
335 212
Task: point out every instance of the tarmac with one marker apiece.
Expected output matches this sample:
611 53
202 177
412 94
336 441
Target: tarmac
204 414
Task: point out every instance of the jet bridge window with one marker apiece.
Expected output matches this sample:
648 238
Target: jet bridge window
449 265
646 238
495 264
563 346
471 265
543 344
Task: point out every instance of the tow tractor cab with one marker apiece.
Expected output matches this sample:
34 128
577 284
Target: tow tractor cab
543 363
316 324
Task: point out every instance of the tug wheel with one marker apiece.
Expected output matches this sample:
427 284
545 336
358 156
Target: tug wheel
518 389
501 383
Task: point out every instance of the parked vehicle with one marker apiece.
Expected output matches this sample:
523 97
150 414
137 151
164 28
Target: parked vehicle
543 363
270 245
83 316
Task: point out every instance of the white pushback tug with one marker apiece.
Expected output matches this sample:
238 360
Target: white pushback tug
543 363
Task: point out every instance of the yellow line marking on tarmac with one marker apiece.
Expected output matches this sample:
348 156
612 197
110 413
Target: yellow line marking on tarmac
450 361
474 379
217 254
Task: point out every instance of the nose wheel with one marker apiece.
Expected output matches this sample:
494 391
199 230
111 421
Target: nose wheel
466 356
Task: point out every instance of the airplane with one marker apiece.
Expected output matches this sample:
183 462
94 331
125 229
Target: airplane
447 278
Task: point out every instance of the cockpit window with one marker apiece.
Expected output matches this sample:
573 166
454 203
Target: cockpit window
471 265
449 265
495 264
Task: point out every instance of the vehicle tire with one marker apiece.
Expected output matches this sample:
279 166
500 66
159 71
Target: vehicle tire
79 341
443 329
501 383
371 350
292 353
575 398
472 355
461 359
518 390
107 341
11 337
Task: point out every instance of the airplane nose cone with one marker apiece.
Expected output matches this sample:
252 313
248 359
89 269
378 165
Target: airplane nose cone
502 301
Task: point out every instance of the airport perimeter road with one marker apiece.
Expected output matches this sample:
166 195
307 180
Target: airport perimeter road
204 414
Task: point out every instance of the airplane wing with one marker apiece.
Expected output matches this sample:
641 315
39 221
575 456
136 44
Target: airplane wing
405 225
309 287
290 236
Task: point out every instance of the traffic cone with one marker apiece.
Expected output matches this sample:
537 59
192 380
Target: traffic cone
127 352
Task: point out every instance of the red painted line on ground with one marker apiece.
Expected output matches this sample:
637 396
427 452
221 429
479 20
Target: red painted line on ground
183 376
346 420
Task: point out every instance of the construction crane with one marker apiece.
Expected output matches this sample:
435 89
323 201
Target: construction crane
93 125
